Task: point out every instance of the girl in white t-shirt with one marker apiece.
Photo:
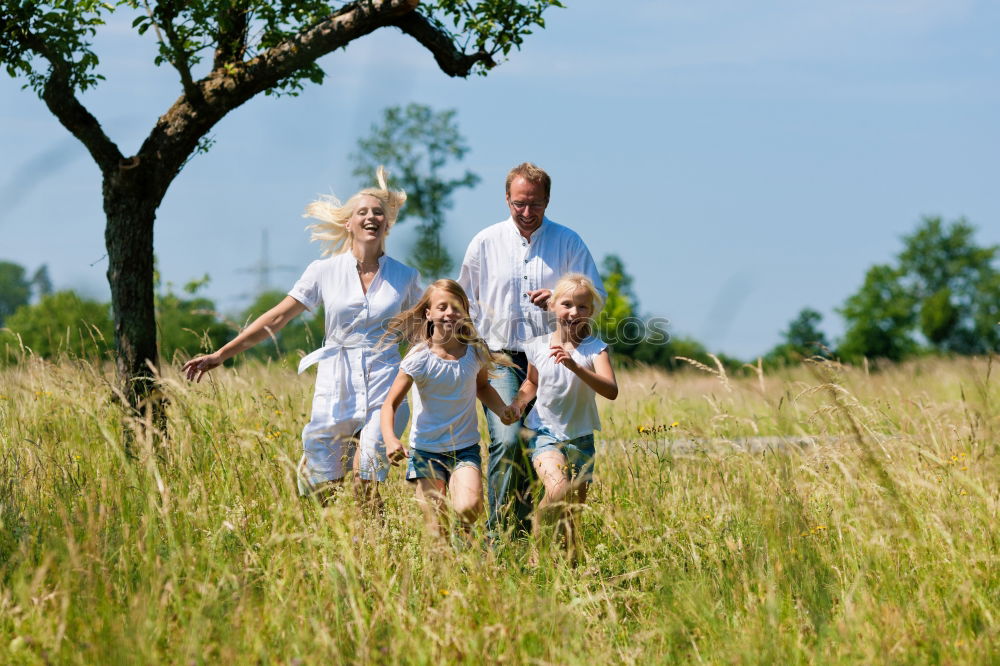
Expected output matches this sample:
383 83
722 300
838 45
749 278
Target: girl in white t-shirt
565 370
449 364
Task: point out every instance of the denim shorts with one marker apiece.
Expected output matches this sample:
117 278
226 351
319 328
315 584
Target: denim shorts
441 465
579 452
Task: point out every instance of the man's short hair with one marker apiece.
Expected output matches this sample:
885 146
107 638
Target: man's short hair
532 174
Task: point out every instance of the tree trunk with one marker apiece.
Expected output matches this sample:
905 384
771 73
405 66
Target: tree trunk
130 202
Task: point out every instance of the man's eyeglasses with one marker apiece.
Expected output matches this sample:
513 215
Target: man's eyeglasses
533 205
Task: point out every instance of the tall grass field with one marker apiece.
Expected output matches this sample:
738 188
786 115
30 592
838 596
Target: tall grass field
818 515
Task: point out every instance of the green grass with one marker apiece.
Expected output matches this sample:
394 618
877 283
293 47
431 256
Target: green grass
879 545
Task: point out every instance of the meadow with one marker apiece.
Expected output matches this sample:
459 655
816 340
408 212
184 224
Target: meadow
874 542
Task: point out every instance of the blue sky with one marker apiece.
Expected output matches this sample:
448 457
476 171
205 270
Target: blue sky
744 159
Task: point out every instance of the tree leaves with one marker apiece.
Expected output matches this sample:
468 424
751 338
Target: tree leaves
944 286
490 26
37 37
59 33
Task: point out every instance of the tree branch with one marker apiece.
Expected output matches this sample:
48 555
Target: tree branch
231 40
177 132
350 22
59 96
179 60
451 60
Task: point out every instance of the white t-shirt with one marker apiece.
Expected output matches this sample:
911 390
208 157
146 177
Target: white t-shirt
444 403
565 405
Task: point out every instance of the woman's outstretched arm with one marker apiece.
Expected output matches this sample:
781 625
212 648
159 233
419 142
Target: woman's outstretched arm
262 327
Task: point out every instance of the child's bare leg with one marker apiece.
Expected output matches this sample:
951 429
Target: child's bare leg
466 488
430 496
551 469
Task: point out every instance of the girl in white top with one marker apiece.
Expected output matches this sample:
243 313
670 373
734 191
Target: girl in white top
449 364
565 371
360 289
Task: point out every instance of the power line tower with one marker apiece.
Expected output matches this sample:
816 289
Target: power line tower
263 268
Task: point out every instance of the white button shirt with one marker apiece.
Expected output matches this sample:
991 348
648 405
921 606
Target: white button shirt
355 370
501 267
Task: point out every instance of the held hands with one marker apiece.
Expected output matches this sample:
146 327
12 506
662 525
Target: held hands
563 357
197 367
395 451
511 413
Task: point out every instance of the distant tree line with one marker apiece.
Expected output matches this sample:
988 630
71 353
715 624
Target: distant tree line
639 338
66 324
940 295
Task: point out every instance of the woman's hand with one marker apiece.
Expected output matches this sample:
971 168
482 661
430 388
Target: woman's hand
563 357
395 451
197 367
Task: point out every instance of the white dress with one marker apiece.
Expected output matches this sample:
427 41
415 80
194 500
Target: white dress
355 370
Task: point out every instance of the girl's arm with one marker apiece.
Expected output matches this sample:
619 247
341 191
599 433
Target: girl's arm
262 327
394 448
601 378
527 392
489 397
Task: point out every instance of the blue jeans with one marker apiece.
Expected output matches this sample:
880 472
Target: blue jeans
509 471
578 452
441 464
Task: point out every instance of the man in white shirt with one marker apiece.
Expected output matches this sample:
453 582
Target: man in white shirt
508 273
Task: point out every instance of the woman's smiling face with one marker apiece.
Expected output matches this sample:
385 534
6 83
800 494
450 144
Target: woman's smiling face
367 223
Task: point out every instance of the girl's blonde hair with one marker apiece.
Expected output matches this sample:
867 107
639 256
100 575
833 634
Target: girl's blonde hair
333 216
569 284
413 327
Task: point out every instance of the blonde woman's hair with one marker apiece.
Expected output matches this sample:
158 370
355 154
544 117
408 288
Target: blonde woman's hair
331 230
570 283
413 327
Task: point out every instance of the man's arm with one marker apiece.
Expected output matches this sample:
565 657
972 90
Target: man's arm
468 277
583 262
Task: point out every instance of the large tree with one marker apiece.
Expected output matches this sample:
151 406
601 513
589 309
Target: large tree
225 52
945 287
880 318
956 285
